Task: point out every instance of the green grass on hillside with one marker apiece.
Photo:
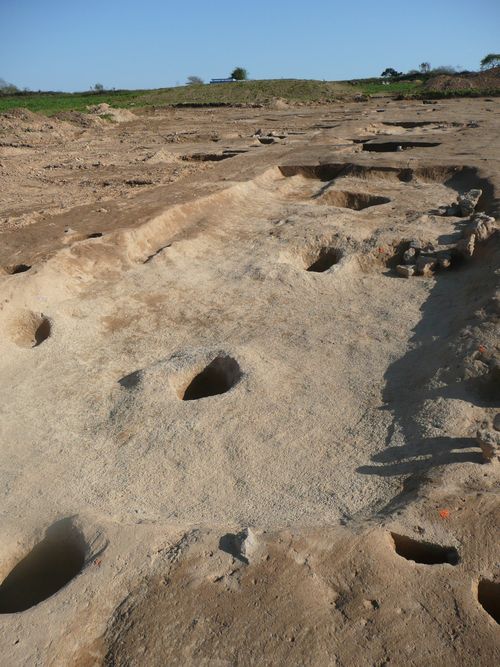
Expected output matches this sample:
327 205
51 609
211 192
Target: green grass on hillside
51 103
244 92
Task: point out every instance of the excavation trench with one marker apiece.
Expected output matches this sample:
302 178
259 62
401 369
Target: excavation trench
356 201
408 124
211 157
458 177
226 439
394 146
284 310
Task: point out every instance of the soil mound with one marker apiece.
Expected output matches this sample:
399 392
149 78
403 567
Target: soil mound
476 81
77 118
21 128
117 115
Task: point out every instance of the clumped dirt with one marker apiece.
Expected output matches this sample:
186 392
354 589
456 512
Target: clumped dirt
489 79
247 386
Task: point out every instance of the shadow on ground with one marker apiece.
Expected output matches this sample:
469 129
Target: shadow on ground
452 305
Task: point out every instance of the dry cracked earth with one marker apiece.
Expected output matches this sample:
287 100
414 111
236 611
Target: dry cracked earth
250 384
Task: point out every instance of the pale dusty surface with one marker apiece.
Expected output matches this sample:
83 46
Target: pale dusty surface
159 244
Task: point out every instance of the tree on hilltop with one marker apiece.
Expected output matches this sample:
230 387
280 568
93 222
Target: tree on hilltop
491 60
239 73
390 72
194 80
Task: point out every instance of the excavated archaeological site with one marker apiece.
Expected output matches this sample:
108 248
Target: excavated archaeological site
250 386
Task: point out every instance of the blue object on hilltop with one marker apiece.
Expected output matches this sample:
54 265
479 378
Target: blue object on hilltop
230 80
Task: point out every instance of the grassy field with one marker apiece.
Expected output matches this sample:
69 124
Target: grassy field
245 92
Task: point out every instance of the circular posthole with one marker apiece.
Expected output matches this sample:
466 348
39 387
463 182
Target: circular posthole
488 594
323 259
218 377
28 329
423 552
48 567
17 268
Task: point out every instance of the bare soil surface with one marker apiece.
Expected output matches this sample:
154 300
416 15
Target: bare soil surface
231 431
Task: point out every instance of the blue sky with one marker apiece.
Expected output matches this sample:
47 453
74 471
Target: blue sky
73 44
